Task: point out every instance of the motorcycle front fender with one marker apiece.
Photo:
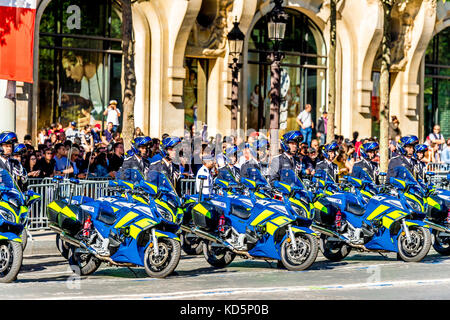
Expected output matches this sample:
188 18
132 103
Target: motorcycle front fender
163 234
9 236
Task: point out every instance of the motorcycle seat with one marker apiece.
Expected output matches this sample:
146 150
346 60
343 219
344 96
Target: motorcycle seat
355 208
240 211
106 217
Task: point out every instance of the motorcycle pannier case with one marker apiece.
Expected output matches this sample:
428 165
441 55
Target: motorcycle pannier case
437 209
53 211
325 212
206 216
71 219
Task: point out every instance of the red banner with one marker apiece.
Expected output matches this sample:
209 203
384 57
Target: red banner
17 19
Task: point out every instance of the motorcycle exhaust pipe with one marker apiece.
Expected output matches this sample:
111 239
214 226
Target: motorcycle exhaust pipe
436 226
66 237
328 232
210 237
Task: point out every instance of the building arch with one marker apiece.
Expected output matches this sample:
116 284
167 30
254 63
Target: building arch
297 64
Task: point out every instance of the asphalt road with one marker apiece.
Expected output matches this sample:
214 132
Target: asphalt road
359 276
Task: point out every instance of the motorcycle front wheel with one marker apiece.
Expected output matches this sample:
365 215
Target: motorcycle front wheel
441 244
24 237
302 257
163 264
333 250
218 257
11 255
82 264
191 244
416 249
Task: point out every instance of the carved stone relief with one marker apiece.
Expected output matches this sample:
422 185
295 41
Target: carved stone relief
209 34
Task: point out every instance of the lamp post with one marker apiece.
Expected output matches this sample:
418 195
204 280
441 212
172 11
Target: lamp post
276 29
235 42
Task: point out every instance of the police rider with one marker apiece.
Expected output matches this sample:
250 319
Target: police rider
420 165
7 162
288 159
368 153
405 159
329 153
137 158
205 171
230 156
168 152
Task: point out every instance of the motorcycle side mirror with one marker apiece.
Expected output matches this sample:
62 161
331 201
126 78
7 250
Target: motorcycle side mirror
148 187
32 197
397 184
74 181
282 187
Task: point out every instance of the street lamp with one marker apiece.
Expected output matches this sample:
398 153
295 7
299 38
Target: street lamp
276 30
235 43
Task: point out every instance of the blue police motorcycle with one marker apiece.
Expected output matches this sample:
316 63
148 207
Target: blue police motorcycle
238 220
128 229
13 216
346 221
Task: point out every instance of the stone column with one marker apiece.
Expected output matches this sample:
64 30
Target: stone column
8 118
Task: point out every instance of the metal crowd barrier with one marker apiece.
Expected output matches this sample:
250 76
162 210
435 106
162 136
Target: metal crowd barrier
187 187
93 188
46 188
441 170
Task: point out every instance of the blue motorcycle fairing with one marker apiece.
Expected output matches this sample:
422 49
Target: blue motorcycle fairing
11 236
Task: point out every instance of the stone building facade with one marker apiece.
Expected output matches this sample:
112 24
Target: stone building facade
182 62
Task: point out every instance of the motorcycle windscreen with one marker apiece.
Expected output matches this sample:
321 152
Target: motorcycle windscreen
255 175
360 173
132 175
226 175
12 191
289 177
322 174
404 174
163 184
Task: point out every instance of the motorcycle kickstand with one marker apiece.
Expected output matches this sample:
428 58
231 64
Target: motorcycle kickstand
384 256
135 274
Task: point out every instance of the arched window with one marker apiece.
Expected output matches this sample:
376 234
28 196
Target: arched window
437 83
303 72
80 61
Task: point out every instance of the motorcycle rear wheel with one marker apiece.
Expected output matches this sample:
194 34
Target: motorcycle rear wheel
11 255
218 257
82 264
442 246
192 247
419 246
165 263
303 257
333 250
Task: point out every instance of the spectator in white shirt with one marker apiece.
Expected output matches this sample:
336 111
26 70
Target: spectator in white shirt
113 114
304 120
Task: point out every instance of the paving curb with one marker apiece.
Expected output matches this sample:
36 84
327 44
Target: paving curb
41 242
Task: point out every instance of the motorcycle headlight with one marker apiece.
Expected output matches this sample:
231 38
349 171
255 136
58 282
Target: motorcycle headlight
414 205
14 202
301 212
165 214
8 216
